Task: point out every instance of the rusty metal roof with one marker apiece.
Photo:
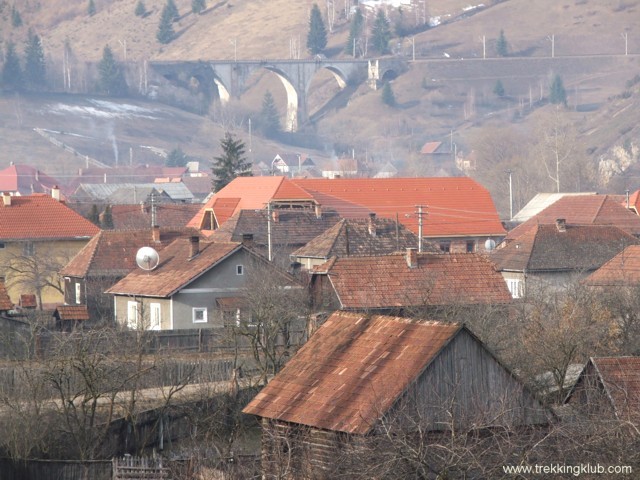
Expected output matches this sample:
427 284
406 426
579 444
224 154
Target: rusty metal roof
352 371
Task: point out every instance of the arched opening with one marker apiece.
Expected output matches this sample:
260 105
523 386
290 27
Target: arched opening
328 90
291 117
388 75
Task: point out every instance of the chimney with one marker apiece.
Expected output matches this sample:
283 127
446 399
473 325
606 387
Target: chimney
561 224
412 257
318 208
6 199
194 246
275 215
372 224
55 192
105 178
247 239
155 233
37 175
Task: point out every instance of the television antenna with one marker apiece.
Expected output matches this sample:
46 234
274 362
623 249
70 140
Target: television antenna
147 258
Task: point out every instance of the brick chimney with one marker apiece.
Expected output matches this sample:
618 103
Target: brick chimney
412 257
372 224
247 239
6 199
194 246
155 233
55 192
561 224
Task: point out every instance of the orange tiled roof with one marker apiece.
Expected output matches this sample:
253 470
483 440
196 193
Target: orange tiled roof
41 217
174 215
430 147
26 180
175 270
388 282
5 301
72 312
28 300
351 371
583 210
621 270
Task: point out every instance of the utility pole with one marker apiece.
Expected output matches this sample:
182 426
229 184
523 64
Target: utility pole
552 38
420 214
413 48
626 43
270 257
484 46
153 209
510 196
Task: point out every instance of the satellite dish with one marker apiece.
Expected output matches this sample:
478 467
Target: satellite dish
147 258
490 244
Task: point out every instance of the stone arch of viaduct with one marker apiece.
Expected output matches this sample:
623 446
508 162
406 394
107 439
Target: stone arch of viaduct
230 79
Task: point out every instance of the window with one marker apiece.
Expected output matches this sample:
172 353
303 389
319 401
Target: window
199 315
514 287
78 293
1 245
155 316
132 315
471 246
445 246
28 249
239 270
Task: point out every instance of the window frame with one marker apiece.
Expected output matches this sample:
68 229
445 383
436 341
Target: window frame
78 292
132 304
239 270
515 287
195 310
155 316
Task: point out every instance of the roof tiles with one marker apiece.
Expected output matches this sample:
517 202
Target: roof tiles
621 379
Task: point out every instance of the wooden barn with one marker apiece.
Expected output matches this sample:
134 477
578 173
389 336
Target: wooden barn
360 372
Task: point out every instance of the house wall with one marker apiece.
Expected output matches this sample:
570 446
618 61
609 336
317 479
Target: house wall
515 283
466 379
47 259
144 311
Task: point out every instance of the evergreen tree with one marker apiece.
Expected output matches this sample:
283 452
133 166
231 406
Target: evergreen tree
498 89
107 218
388 97
140 9
198 6
269 116
557 94
502 47
165 30
94 215
16 19
172 10
11 70
91 9
231 164
400 26
112 80
35 65
381 33
317 36
176 158
355 32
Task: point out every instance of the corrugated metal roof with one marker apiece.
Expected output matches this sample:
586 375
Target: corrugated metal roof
351 371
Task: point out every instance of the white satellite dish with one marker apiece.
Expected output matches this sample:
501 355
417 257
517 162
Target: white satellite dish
490 244
147 258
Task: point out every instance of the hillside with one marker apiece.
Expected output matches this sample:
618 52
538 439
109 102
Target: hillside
446 94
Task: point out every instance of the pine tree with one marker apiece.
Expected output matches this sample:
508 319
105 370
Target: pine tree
176 158
557 94
317 37
502 47
165 30
91 8
231 164
11 71
16 19
140 9
172 10
498 89
355 32
94 215
269 116
35 65
198 6
381 33
107 218
388 97
112 80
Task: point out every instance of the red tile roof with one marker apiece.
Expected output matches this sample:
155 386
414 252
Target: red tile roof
621 270
72 312
28 300
26 180
430 147
174 215
5 301
113 252
175 270
223 208
545 248
388 282
40 217
351 371
583 210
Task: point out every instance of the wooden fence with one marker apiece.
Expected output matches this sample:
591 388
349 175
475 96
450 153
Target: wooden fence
139 468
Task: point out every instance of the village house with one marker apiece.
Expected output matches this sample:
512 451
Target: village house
361 375
105 260
25 180
622 271
67 318
291 164
145 215
553 255
38 235
401 282
191 287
